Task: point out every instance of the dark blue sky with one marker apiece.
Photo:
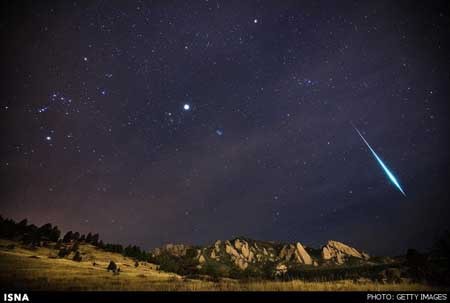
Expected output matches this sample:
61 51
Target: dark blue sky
95 134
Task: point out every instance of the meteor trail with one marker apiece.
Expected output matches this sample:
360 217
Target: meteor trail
386 170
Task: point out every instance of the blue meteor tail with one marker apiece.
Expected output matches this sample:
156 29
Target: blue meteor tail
386 170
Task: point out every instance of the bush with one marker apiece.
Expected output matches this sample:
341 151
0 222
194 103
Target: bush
112 266
76 246
58 244
68 237
215 269
77 257
168 263
63 252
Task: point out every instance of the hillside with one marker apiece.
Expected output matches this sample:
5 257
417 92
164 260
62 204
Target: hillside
243 253
246 258
41 268
22 267
34 257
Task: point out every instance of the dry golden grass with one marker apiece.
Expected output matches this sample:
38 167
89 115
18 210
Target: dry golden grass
40 270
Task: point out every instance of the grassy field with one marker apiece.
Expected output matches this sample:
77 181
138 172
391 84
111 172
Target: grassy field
39 269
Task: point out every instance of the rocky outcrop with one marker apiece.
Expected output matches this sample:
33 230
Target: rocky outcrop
178 250
280 269
240 252
201 259
243 252
338 252
296 253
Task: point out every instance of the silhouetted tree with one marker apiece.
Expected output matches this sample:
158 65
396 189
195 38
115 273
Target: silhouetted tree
94 239
55 234
77 257
45 232
117 248
31 236
112 266
76 246
68 237
63 252
22 226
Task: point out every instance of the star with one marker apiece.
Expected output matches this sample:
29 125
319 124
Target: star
285 90
43 109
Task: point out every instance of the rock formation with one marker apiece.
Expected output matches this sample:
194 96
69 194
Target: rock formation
295 253
243 252
339 252
173 249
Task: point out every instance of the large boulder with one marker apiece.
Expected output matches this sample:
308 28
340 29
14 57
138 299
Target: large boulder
280 269
339 252
201 259
217 245
229 249
240 252
295 253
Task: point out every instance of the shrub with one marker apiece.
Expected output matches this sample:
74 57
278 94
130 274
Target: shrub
63 252
76 246
77 257
215 269
68 237
112 266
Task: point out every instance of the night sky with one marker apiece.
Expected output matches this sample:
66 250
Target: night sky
189 121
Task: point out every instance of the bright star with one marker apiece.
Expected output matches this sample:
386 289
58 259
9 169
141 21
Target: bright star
48 138
186 107
255 21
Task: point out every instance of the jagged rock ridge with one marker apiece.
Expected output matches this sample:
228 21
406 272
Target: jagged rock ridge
340 252
242 253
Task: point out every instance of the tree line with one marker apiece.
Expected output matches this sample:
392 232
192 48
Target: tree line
32 235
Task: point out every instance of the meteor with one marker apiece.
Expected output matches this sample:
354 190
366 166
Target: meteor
383 166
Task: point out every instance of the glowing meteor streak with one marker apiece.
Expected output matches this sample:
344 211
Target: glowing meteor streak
386 170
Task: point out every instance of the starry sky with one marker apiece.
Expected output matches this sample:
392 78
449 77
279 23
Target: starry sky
189 121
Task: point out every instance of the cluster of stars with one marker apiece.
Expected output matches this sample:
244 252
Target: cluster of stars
237 105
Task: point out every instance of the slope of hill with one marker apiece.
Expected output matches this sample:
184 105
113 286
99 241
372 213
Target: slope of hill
22 267
41 268
38 258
